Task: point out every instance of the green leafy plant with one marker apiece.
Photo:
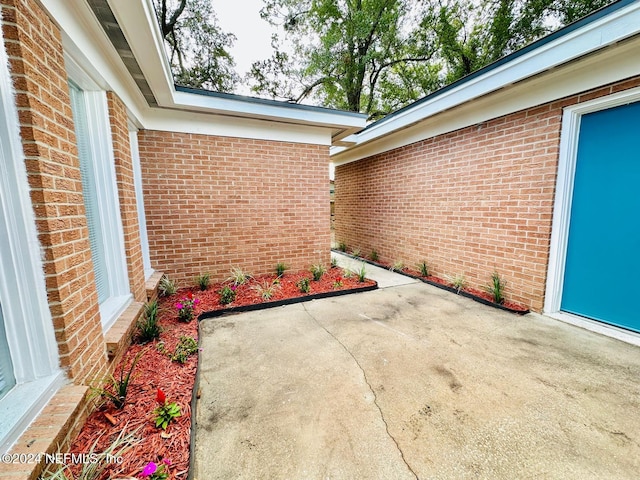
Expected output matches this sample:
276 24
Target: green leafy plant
496 288
318 270
303 285
457 281
355 252
116 389
167 287
334 262
397 266
281 267
186 346
342 247
227 294
239 276
94 469
166 411
424 268
202 281
148 327
266 289
347 273
156 471
337 283
374 256
362 272
186 307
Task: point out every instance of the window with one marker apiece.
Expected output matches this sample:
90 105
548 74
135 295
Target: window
7 379
29 369
95 150
142 221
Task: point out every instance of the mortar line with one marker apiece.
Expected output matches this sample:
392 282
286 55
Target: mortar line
366 380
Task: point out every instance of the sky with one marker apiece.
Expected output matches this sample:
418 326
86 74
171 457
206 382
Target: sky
242 18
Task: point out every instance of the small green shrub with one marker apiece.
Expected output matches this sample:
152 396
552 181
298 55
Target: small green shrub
355 252
238 276
347 273
362 272
303 285
186 346
337 284
101 459
397 266
166 411
227 294
457 281
167 287
148 327
424 268
317 271
374 256
266 289
202 281
342 247
116 389
281 267
496 288
334 262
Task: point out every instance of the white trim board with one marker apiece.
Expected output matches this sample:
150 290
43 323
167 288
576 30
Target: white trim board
564 193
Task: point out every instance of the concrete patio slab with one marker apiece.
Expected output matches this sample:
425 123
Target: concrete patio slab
413 382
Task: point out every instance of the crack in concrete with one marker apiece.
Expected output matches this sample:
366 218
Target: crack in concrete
366 380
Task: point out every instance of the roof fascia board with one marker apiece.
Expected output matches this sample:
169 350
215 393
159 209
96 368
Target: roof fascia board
218 125
614 27
137 20
269 111
84 41
601 68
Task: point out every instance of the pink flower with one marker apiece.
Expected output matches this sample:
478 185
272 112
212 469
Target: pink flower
166 461
149 470
196 301
233 287
179 306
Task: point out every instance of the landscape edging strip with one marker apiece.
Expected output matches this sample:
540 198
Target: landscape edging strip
439 285
287 301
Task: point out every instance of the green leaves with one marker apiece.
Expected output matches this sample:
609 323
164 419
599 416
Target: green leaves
165 413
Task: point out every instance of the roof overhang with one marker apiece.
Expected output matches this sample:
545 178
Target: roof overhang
120 45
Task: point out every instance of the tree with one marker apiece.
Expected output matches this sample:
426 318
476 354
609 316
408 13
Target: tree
471 35
357 55
197 48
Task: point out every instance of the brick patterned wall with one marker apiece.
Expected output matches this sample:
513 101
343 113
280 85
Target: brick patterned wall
127 195
213 203
468 202
34 46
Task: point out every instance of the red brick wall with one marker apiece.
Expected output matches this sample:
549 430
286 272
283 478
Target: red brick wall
213 203
127 196
34 47
468 202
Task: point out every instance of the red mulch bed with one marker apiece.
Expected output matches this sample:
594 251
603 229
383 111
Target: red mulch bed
156 370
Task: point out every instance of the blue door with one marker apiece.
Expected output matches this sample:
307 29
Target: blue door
602 270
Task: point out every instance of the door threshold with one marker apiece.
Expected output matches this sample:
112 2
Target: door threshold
612 331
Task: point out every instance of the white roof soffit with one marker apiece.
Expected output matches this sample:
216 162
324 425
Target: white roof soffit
605 27
138 24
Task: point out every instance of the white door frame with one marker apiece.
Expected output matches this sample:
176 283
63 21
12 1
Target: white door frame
571 120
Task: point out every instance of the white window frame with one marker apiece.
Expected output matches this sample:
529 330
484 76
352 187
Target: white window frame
101 148
142 219
571 120
23 293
